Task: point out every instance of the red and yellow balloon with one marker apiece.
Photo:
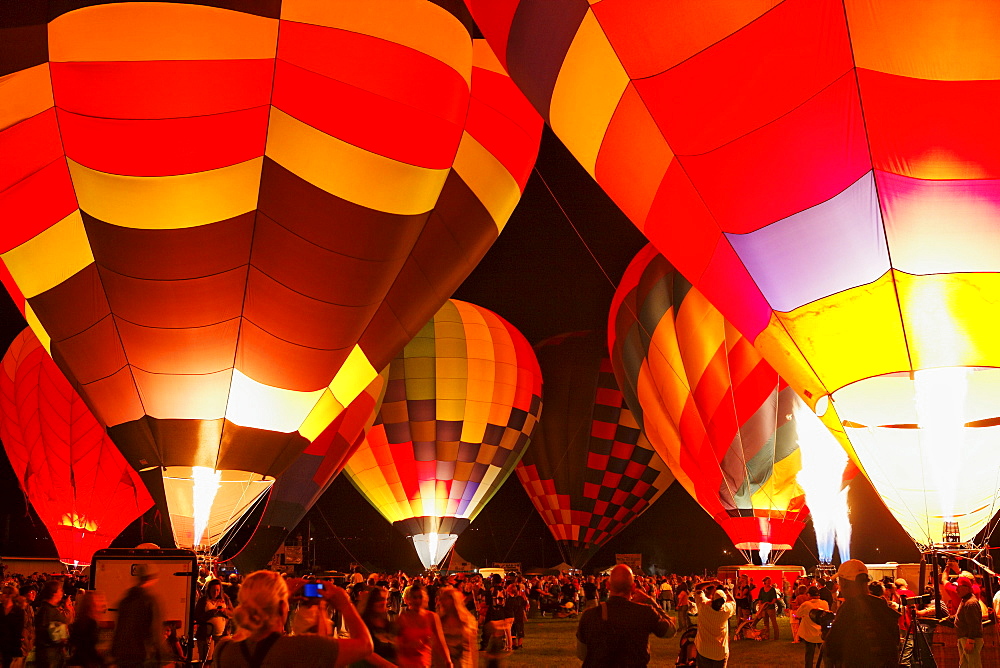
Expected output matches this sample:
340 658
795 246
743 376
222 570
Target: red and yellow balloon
223 221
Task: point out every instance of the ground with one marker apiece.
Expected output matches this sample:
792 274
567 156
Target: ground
552 643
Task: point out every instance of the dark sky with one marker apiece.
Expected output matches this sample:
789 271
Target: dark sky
553 270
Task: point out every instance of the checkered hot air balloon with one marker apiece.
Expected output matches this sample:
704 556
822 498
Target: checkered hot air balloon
223 218
589 470
461 404
76 480
827 173
710 405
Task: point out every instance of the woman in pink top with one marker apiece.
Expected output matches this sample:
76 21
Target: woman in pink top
420 634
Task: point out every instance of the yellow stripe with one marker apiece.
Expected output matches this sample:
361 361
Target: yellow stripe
780 352
50 257
254 404
168 202
951 319
354 375
349 172
37 328
488 179
590 85
25 94
951 40
850 335
142 31
417 24
323 413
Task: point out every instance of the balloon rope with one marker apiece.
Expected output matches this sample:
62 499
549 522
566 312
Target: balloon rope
569 220
653 343
328 526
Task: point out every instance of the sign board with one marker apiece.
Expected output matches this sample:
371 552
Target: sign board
293 554
633 561
508 566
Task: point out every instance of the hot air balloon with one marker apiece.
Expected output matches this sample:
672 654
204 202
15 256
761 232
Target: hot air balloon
502 122
76 480
222 221
297 489
710 405
826 173
589 470
460 406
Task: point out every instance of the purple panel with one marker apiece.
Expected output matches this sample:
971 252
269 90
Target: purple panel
938 227
825 249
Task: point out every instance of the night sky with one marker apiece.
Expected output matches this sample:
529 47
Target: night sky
553 270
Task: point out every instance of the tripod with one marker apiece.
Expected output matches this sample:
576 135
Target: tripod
915 651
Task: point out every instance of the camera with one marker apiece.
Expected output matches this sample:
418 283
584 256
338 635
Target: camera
313 590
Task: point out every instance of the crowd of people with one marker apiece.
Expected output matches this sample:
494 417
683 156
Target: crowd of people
450 620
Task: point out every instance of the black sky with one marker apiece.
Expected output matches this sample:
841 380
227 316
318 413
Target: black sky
553 270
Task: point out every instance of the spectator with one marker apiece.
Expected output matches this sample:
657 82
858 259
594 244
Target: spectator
715 606
261 616
211 613
616 634
809 631
866 630
51 628
419 633
459 627
83 632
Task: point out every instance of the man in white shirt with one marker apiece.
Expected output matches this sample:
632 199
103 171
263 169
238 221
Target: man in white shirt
715 606
809 631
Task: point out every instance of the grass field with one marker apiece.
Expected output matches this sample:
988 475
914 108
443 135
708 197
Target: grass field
551 643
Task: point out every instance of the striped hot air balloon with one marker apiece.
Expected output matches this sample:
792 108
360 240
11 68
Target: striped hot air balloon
589 470
461 404
76 480
222 219
710 405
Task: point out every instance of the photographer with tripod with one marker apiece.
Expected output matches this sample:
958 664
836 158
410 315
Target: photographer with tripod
865 633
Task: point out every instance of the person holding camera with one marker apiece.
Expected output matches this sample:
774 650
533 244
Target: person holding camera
715 606
810 631
865 633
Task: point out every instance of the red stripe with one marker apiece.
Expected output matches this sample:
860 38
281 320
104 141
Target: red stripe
28 147
386 69
508 130
165 147
364 119
36 203
161 89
